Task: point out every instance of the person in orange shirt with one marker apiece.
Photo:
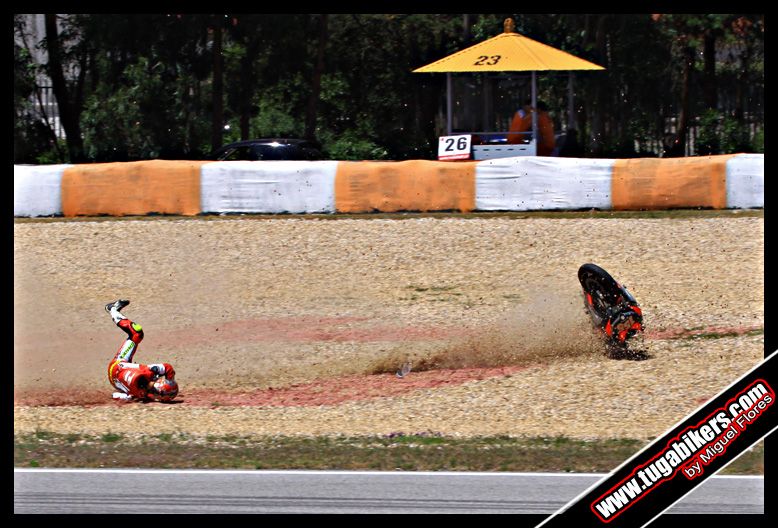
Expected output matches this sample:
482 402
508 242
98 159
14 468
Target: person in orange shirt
522 122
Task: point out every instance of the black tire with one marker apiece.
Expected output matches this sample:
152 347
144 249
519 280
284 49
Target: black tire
605 291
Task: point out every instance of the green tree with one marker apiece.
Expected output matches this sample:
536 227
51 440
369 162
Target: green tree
695 34
151 94
171 83
69 94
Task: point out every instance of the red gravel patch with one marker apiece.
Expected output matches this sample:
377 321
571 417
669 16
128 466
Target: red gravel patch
302 329
711 330
63 397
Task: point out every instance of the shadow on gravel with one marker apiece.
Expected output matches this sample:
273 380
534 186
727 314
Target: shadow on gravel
628 355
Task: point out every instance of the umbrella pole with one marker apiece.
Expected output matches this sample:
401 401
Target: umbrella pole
448 104
535 112
570 104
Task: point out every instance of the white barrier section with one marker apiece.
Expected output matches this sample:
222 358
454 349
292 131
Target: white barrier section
745 181
536 183
38 189
268 187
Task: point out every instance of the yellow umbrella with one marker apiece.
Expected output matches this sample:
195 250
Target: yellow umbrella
509 51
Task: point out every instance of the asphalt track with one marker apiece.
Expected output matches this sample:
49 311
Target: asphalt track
111 491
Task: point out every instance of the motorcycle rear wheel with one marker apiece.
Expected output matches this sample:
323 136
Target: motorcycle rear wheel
605 292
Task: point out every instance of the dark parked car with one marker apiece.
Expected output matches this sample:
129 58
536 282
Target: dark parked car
269 149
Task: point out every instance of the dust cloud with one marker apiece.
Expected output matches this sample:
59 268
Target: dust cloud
548 325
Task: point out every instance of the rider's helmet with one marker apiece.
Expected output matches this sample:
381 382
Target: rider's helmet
164 389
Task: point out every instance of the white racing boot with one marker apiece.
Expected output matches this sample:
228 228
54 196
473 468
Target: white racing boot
114 309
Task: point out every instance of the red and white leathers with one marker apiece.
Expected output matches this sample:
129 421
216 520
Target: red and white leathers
133 380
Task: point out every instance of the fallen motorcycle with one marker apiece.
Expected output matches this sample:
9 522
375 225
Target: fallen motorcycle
613 310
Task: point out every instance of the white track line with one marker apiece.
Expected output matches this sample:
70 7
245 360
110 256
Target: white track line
328 472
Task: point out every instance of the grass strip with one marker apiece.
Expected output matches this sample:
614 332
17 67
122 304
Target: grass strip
587 213
409 452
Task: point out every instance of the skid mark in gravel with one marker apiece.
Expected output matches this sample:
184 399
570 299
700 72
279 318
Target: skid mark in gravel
319 392
330 391
346 389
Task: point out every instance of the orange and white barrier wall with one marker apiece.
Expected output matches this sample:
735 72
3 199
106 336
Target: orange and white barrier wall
529 183
38 190
414 185
507 184
133 188
268 187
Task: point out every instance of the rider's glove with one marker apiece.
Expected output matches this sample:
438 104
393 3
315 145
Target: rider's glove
163 369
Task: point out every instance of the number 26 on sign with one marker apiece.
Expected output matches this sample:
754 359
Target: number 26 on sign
454 147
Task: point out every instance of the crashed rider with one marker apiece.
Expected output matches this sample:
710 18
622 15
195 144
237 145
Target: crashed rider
135 381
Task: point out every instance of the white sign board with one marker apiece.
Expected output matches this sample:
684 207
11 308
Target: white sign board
454 147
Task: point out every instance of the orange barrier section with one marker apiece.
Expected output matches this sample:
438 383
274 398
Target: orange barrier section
666 183
132 188
413 185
